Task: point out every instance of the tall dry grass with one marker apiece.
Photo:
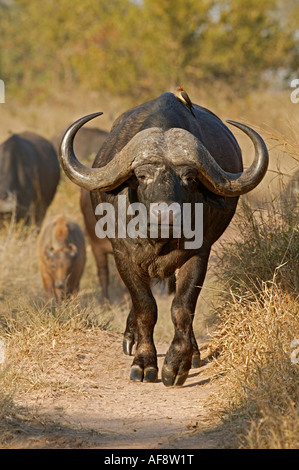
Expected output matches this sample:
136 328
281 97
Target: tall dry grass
266 251
36 332
257 325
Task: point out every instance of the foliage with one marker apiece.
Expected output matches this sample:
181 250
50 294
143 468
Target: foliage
138 47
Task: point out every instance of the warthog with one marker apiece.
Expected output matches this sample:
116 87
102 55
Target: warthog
61 256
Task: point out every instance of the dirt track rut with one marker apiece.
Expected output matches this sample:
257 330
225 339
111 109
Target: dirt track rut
102 408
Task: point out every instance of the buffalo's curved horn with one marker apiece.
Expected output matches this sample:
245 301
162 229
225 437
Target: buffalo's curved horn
122 165
103 179
229 184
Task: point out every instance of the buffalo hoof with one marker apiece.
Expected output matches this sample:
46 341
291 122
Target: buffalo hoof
149 374
136 374
171 379
196 361
128 346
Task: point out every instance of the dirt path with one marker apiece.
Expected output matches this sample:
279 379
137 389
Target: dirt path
86 400
101 408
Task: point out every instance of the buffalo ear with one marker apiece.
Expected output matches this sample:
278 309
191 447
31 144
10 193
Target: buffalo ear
132 182
212 199
73 250
216 201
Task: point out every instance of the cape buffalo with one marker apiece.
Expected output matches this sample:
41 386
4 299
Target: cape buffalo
159 152
29 175
61 256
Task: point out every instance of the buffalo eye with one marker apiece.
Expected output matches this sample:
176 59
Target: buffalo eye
189 178
145 174
141 177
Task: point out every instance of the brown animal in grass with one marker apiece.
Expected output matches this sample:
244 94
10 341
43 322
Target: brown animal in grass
61 256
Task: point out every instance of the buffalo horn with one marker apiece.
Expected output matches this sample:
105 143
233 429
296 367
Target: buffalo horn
103 179
228 184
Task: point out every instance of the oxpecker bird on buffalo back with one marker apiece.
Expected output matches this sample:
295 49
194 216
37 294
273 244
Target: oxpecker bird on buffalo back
182 95
158 156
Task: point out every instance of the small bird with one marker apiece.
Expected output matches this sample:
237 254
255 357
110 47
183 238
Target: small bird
181 95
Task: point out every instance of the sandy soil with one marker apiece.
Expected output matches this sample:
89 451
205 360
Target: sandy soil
86 400
102 408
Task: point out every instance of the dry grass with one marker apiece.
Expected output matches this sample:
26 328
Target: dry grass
267 249
255 344
38 334
256 327
258 323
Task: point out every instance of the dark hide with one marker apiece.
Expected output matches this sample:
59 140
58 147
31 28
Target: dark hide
139 260
29 175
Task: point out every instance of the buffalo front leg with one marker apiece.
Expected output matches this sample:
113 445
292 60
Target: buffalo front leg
130 334
144 367
101 259
140 325
183 352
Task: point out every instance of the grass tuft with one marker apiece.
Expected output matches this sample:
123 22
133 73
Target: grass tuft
257 325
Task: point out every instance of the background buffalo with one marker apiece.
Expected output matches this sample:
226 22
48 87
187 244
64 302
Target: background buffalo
29 175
